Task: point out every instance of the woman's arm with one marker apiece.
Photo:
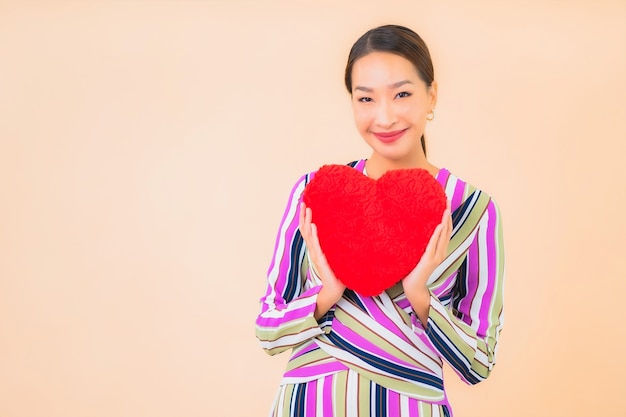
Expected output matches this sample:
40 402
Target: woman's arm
296 298
467 339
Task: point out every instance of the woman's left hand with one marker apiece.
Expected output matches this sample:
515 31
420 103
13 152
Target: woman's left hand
414 284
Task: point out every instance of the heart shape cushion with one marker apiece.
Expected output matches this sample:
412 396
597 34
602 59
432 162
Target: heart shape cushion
373 232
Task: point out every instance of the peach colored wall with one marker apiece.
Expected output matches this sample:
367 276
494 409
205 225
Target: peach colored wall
147 149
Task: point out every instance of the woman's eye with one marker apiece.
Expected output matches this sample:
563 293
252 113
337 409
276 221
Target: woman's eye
365 99
403 94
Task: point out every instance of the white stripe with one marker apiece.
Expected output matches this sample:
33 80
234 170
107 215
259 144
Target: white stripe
279 411
292 402
302 379
352 394
319 401
404 405
333 391
451 185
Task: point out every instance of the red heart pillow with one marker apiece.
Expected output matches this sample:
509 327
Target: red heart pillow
373 232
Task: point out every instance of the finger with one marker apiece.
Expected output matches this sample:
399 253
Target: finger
447 221
301 217
442 246
317 255
446 213
444 238
308 216
307 221
432 243
316 240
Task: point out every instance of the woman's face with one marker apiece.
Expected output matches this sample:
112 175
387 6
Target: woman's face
390 104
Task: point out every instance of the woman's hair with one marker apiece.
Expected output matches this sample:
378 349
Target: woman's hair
397 40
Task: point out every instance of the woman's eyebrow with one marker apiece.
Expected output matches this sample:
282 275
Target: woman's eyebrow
391 86
361 88
400 84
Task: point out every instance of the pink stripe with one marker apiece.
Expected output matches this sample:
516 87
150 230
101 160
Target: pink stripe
492 256
458 194
403 303
311 398
393 403
414 410
360 165
442 177
327 402
313 370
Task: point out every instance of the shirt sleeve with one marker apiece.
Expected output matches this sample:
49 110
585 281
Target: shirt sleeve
288 306
466 335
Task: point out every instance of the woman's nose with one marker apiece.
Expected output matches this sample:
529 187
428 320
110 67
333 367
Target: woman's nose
385 116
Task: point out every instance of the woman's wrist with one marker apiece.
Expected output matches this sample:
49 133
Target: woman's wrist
326 298
420 302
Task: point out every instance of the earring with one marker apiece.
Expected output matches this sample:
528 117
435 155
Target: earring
430 116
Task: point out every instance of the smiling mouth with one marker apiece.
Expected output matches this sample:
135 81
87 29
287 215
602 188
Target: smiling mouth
389 137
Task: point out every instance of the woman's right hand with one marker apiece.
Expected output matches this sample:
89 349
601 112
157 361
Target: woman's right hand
332 288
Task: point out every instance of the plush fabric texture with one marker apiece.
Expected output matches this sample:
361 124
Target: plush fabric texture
374 232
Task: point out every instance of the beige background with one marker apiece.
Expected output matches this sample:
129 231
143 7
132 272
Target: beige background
147 149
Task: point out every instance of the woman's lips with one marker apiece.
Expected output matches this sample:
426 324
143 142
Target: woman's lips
389 137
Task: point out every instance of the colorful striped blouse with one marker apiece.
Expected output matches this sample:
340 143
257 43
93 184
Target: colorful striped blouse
380 337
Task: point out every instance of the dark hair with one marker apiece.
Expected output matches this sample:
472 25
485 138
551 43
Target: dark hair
397 40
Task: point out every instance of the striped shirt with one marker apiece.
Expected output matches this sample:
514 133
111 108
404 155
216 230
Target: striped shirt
380 337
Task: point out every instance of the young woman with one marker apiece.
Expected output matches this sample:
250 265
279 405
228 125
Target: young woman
383 355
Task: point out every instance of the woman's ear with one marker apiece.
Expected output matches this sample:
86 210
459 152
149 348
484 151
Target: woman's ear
432 92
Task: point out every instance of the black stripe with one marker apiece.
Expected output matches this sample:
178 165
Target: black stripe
294 284
459 291
351 295
457 214
299 401
381 401
328 317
